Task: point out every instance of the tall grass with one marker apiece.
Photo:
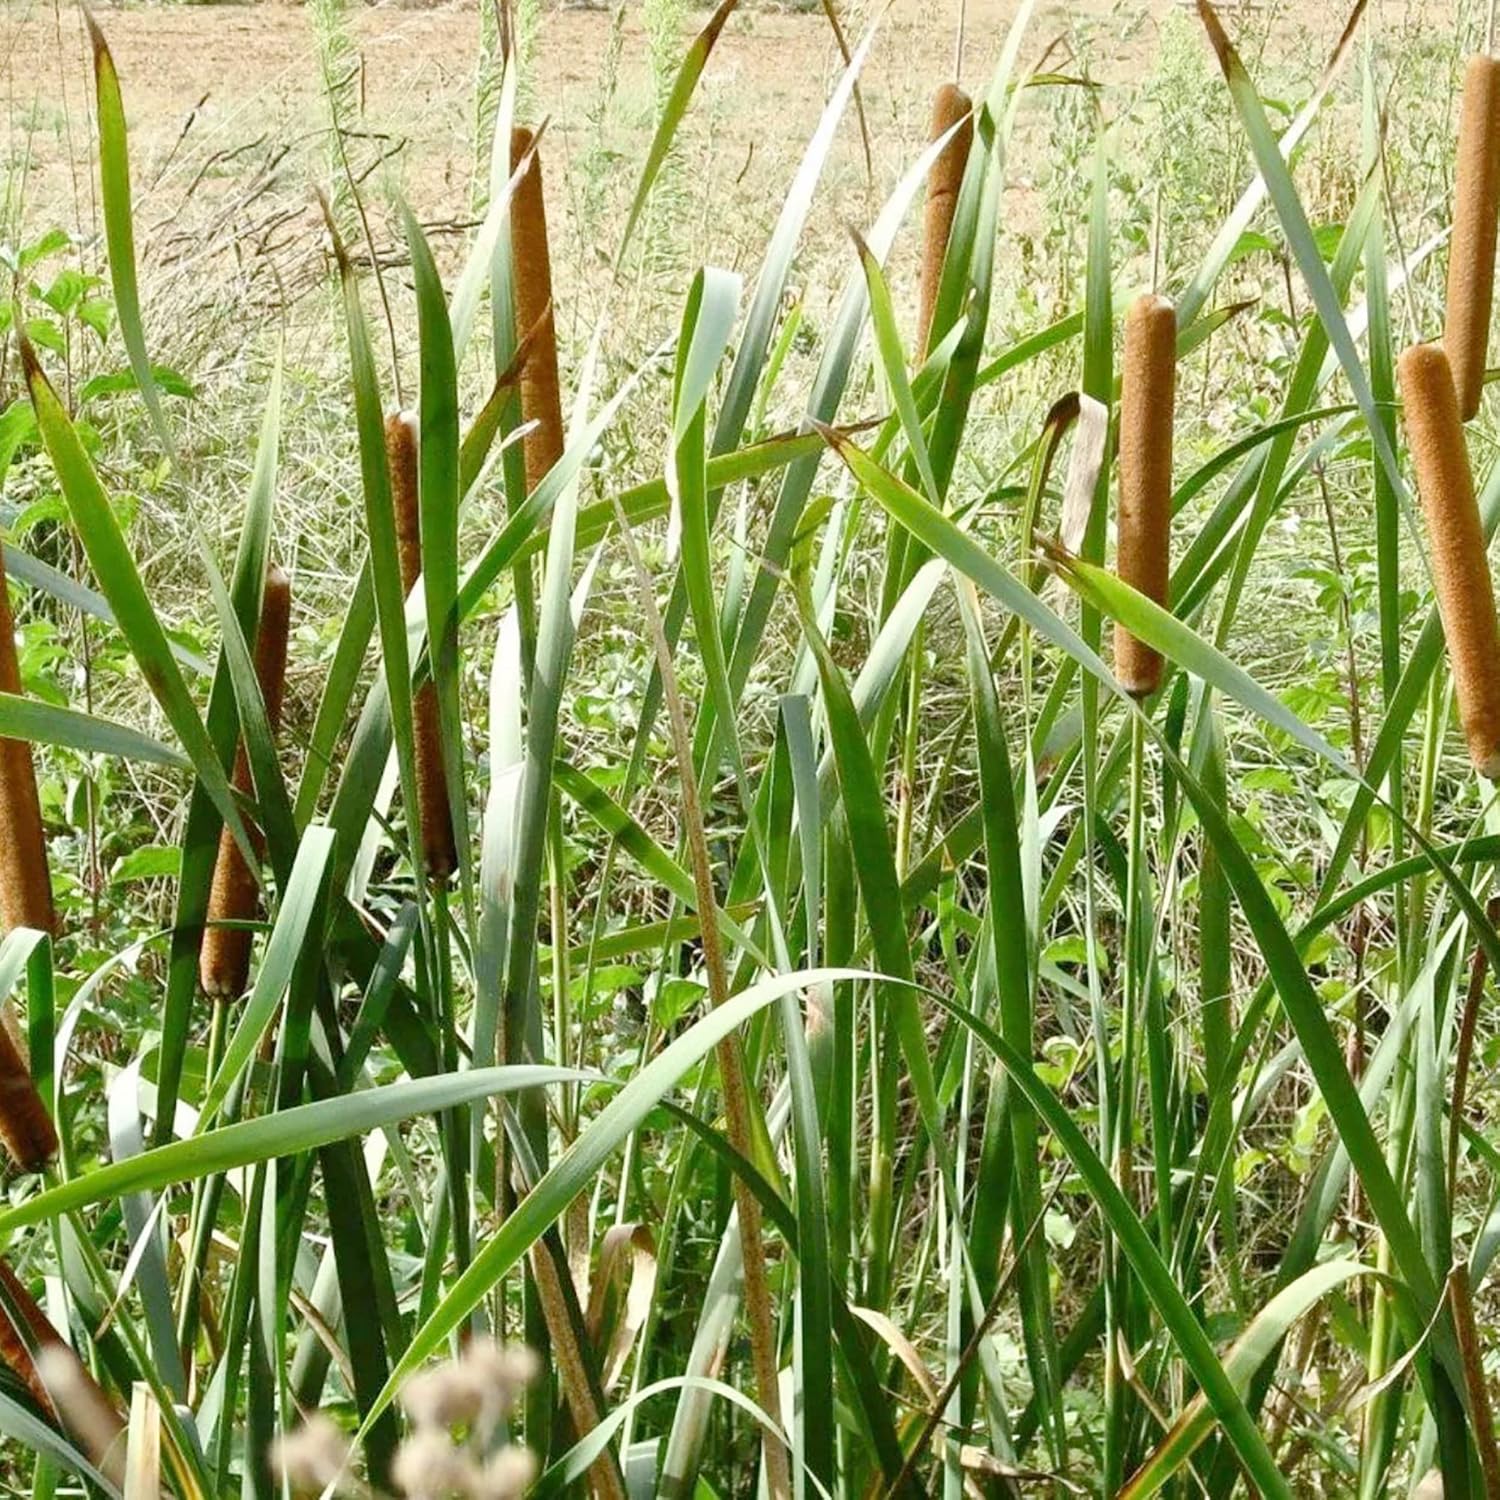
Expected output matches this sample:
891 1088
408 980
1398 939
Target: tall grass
884 1074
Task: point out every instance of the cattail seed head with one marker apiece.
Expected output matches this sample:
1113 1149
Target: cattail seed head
541 390
24 1331
438 852
62 1387
1143 545
25 901
224 959
25 1126
1471 256
25 881
1460 570
949 105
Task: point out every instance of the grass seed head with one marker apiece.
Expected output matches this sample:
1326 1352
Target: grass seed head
541 389
25 880
1471 256
949 105
224 960
1460 570
438 852
312 1457
1143 545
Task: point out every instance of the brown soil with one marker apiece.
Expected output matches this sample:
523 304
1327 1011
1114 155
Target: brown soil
228 133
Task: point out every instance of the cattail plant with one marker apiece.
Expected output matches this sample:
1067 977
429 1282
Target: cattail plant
1460 570
439 857
541 391
25 882
1471 256
541 406
950 105
1147 400
224 960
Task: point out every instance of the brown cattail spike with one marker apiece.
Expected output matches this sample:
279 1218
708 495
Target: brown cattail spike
58 1382
1471 257
1143 547
25 882
25 901
1460 570
25 1126
541 391
949 106
224 961
438 853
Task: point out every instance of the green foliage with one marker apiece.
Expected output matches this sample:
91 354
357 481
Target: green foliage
1105 1112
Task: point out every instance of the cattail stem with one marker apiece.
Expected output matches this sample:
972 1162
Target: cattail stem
541 389
949 106
25 901
1143 546
439 856
1471 256
1460 570
234 897
564 1334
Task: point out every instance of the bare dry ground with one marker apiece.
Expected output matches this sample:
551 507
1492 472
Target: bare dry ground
229 138
228 125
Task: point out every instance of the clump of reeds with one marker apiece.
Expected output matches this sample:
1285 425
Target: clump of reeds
224 960
541 390
1143 544
439 857
1471 256
25 881
1460 570
950 105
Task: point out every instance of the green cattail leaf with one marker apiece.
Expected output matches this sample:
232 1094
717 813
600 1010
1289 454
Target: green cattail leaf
119 228
571 1173
672 113
23 718
285 1133
115 568
1140 1250
294 926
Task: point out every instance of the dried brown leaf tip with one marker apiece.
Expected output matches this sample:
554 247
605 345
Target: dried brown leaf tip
950 106
1148 387
1471 256
439 855
224 960
1460 569
541 388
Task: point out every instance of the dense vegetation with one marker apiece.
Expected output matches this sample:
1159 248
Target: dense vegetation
706 971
